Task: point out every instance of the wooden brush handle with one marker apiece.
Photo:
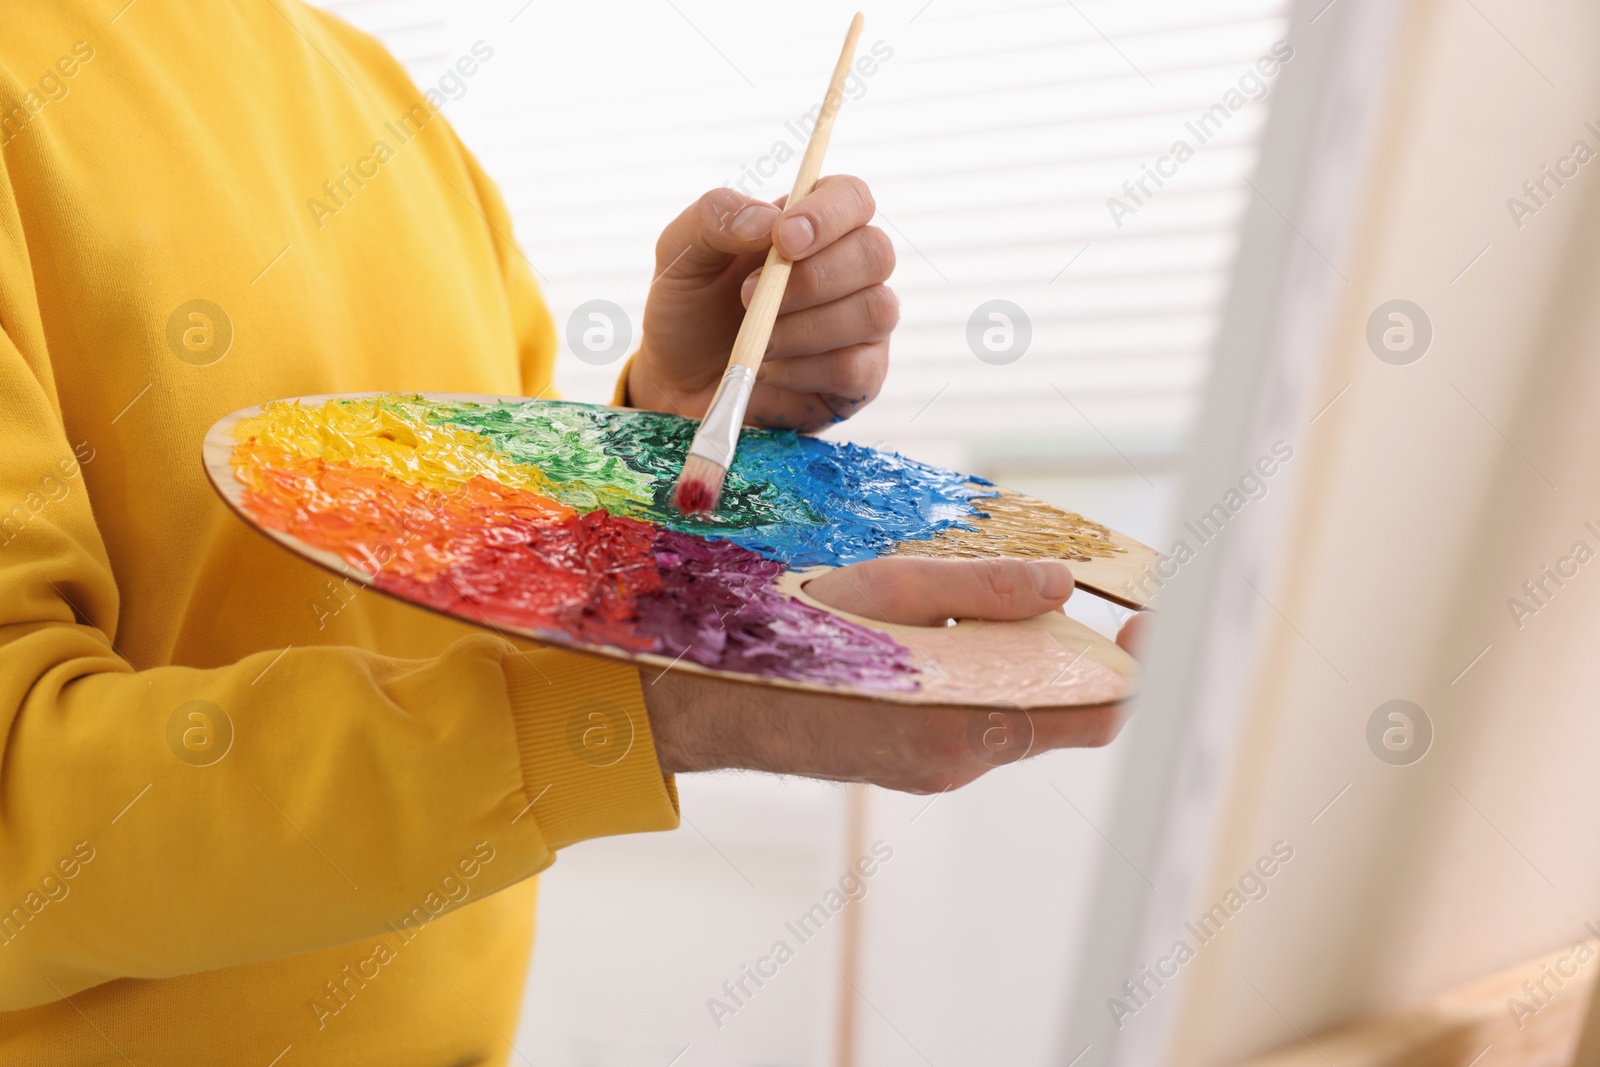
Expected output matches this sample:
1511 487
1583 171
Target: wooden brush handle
756 329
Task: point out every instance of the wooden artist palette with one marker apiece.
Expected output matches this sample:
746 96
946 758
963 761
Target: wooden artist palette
553 521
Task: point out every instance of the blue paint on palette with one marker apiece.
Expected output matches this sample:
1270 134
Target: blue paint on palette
793 498
863 502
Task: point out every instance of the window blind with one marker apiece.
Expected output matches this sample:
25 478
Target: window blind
1026 154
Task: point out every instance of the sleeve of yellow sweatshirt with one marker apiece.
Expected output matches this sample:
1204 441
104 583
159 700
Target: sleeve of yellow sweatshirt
529 313
352 783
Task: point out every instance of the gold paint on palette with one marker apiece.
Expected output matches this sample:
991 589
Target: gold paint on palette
1019 525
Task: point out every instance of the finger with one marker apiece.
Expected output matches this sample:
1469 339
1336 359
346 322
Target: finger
854 374
710 232
1089 727
835 206
1135 633
917 591
858 260
865 315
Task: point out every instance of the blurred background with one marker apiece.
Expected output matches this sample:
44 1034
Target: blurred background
994 137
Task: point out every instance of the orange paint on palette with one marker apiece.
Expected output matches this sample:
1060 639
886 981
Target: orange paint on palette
375 521
536 562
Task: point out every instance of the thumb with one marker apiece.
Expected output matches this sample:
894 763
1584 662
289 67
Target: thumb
916 591
720 225
1135 633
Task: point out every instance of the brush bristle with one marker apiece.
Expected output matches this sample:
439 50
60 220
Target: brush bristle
699 486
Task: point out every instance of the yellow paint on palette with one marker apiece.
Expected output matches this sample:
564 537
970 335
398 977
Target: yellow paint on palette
368 433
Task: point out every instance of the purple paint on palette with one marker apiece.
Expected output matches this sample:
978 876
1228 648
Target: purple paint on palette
719 606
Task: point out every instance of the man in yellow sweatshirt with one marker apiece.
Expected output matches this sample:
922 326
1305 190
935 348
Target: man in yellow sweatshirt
208 205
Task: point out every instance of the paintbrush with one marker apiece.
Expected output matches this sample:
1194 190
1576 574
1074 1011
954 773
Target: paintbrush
711 454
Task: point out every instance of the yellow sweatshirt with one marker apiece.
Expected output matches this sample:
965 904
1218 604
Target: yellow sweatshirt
246 818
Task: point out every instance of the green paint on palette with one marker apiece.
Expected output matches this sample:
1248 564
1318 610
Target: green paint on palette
625 462
789 497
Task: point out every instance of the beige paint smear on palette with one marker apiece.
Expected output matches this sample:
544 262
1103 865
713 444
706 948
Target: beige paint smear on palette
1018 525
1008 663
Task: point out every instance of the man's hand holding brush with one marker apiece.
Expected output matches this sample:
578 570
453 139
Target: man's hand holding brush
829 350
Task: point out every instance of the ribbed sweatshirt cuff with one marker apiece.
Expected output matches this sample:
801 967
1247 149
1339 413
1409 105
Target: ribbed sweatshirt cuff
588 759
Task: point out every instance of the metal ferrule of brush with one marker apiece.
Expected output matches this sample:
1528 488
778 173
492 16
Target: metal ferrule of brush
718 435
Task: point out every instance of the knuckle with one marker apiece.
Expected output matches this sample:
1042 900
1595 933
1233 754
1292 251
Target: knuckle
860 193
1103 728
717 206
1002 581
882 309
959 776
852 371
843 203
859 377
877 360
812 275
878 252
947 765
809 330
869 368
667 246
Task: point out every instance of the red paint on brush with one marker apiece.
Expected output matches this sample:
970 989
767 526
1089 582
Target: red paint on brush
694 497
